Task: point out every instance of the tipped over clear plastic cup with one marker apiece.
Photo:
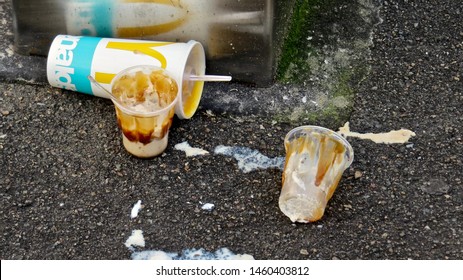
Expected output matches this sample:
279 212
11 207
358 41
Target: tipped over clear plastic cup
145 97
316 158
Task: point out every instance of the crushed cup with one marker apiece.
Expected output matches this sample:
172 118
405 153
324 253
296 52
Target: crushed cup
316 158
145 98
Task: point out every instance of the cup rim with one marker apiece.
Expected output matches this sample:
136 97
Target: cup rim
191 46
328 132
129 111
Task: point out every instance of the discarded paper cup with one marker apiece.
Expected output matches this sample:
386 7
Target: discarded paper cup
72 59
144 97
316 158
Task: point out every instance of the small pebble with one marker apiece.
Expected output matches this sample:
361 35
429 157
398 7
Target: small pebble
304 252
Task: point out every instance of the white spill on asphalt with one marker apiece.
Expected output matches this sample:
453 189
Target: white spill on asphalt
393 137
191 254
189 151
153 255
135 210
249 159
136 239
208 206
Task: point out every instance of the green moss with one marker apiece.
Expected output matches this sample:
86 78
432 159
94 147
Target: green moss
330 64
294 49
344 88
332 114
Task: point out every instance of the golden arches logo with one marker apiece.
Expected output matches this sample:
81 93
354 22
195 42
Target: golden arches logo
133 47
144 48
153 30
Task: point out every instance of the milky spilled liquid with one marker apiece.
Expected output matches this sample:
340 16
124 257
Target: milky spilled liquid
136 208
191 254
249 159
392 137
190 151
208 206
135 240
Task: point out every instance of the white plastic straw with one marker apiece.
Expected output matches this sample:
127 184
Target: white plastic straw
210 78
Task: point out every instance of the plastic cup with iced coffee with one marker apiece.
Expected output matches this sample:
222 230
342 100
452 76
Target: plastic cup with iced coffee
145 98
316 158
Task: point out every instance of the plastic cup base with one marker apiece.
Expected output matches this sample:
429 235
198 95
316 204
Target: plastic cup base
152 149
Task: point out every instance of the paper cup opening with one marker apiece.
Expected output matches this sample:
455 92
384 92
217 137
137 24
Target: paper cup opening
191 91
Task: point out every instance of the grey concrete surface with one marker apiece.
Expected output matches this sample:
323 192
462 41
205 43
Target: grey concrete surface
67 186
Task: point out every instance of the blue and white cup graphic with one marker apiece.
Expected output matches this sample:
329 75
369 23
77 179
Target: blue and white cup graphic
72 59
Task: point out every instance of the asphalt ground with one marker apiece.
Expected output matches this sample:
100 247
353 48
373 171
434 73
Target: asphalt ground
67 185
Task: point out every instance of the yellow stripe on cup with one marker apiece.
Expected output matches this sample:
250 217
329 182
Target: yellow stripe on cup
104 78
142 47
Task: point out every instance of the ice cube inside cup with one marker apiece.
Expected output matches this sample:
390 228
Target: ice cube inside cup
316 158
144 98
